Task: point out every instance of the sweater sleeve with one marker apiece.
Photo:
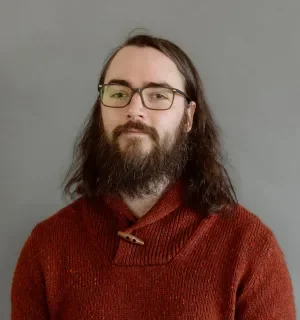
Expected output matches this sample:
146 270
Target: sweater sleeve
28 294
267 291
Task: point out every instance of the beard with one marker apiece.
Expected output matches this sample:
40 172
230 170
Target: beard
135 172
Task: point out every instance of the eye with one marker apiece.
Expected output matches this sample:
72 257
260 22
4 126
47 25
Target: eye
159 96
118 95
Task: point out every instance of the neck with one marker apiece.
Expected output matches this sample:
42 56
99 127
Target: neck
141 205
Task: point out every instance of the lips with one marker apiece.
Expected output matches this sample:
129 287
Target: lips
133 131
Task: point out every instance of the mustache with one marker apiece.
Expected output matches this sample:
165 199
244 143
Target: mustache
138 126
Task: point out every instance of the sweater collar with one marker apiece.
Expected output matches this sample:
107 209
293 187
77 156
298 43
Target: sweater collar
171 199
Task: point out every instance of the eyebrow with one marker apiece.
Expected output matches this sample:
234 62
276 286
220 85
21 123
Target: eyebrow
146 84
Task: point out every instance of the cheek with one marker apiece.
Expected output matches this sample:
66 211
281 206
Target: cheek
167 124
110 118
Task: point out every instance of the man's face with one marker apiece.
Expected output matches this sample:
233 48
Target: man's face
134 162
138 67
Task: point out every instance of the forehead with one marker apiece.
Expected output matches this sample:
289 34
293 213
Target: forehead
139 66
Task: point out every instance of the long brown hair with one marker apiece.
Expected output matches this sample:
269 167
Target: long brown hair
206 181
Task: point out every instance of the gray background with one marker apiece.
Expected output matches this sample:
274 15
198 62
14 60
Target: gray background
51 53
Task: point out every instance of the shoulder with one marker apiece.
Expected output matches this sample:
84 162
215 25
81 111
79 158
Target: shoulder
240 219
52 233
247 232
61 220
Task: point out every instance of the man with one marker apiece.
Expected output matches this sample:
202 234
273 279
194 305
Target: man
155 230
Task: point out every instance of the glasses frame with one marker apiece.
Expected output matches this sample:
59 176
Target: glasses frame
140 91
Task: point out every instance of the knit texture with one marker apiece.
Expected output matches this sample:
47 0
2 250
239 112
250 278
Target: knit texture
222 266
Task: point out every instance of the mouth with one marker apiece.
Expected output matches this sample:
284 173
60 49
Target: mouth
133 131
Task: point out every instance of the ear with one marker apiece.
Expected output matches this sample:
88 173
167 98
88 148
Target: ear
190 115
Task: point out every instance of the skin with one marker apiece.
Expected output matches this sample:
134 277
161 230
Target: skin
139 66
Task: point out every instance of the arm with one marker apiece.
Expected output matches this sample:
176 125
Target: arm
28 294
266 292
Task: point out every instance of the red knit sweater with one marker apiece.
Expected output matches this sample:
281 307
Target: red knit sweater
75 266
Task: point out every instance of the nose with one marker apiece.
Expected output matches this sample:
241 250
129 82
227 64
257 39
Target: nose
135 109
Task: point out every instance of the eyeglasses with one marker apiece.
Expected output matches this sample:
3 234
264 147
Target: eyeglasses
153 97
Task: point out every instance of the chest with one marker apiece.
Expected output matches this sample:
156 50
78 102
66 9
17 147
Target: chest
165 292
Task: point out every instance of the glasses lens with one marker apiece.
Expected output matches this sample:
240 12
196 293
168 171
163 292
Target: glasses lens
158 98
114 95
